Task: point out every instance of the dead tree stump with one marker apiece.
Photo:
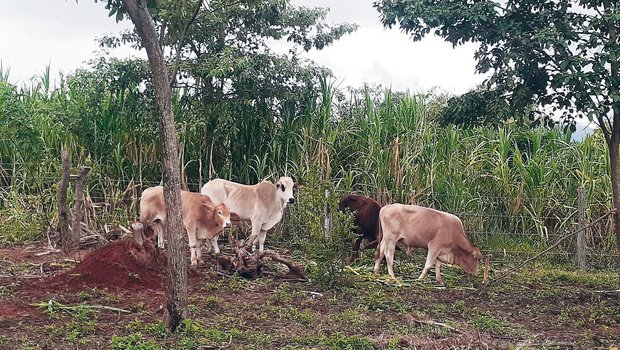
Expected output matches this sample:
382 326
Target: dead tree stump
63 212
78 201
143 248
250 265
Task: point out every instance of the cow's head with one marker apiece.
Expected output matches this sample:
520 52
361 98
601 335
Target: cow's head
220 214
345 202
469 261
285 189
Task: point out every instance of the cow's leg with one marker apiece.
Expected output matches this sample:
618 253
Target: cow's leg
199 252
437 272
256 226
191 235
216 248
379 256
261 240
356 249
159 233
431 257
389 258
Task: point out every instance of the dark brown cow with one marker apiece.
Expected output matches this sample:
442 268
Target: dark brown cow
419 227
366 219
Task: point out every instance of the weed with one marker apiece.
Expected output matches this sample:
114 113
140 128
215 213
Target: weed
6 291
212 302
352 317
342 342
491 325
140 305
76 331
155 329
133 342
337 341
281 294
294 314
83 295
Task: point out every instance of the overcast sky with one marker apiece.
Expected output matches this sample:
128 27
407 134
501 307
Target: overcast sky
62 33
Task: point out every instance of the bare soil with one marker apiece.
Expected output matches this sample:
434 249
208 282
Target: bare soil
536 309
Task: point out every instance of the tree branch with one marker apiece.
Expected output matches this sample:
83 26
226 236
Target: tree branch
177 58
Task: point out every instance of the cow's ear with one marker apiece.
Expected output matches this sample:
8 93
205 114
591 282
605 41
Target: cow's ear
476 253
298 186
208 206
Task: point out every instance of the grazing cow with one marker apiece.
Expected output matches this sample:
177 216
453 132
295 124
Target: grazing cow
419 227
261 204
202 219
366 219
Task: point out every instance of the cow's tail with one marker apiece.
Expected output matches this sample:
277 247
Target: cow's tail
379 237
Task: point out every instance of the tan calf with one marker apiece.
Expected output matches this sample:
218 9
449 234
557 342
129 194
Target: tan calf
262 204
202 219
419 227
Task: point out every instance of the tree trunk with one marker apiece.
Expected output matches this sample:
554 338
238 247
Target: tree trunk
614 161
176 282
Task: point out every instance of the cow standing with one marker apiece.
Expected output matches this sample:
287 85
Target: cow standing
262 204
419 227
202 219
366 219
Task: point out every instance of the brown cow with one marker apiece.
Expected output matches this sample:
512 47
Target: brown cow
366 219
201 218
419 227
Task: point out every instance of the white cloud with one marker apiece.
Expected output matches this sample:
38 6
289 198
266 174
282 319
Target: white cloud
62 33
388 56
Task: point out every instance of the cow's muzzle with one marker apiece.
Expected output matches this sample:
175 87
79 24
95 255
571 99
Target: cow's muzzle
227 224
291 200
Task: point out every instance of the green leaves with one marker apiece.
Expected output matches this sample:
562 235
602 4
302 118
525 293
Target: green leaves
550 53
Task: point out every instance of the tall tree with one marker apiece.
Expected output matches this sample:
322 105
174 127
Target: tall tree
236 90
563 55
176 282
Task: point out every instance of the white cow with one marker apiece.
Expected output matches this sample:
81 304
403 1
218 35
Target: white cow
261 204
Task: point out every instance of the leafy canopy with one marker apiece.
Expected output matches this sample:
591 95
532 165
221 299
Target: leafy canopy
228 78
562 54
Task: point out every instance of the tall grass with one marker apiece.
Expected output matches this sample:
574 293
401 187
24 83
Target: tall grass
509 183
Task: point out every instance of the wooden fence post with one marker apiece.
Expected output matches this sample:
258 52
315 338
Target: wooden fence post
63 212
78 201
581 242
328 215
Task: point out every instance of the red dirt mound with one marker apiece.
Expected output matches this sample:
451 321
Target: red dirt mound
119 265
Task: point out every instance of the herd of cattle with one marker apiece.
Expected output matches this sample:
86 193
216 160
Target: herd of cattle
206 214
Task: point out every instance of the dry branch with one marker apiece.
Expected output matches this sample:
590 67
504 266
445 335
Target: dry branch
251 265
410 318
